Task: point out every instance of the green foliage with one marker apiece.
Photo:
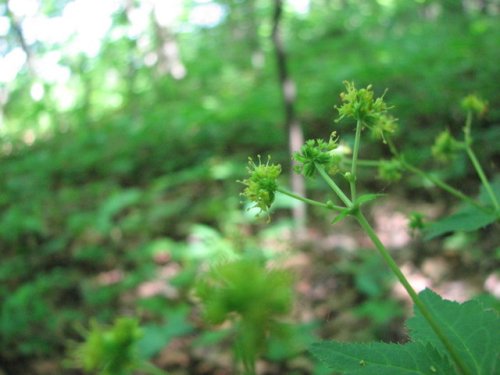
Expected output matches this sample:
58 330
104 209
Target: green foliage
110 351
473 330
445 337
244 289
108 167
382 359
155 337
469 218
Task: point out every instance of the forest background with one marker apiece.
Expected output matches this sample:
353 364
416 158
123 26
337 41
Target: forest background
125 125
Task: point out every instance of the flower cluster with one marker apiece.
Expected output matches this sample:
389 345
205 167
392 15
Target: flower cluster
262 184
318 152
473 103
445 147
361 105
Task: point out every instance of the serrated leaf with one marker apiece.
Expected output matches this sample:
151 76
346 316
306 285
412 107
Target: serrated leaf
473 331
467 219
382 358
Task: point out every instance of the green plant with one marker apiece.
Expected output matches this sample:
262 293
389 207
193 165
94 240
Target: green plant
253 298
112 350
445 337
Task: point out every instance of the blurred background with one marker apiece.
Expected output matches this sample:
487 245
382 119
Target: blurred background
125 125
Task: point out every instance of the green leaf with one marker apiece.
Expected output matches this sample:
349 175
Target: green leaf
467 219
365 198
158 336
473 331
382 358
342 215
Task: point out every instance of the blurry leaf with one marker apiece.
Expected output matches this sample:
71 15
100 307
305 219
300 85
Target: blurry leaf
290 340
156 337
379 311
210 338
467 219
113 205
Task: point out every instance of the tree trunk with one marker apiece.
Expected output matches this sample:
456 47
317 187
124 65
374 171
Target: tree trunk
292 125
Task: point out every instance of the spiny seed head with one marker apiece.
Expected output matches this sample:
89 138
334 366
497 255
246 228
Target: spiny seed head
262 184
360 104
317 151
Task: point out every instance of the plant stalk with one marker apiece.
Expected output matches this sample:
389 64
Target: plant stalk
443 185
476 164
333 185
310 201
411 292
357 141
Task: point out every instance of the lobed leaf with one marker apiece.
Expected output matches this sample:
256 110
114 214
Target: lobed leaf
473 331
382 358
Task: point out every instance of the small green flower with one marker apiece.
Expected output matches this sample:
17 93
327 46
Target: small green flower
386 124
474 104
416 221
317 151
361 105
390 171
445 147
262 184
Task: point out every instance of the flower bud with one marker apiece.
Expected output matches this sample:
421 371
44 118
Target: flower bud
473 103
445 147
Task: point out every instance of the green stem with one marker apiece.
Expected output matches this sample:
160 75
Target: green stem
443 185
333 185
310 201
483 178
476 164
413 295
357 141
436 181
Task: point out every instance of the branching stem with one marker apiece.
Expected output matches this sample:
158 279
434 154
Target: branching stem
310 201
333 185
411 292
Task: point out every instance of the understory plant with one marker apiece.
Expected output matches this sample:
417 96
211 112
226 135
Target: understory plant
112 350
445 337
253 298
